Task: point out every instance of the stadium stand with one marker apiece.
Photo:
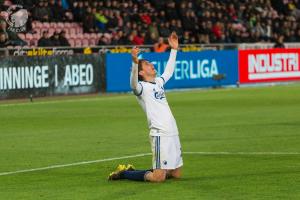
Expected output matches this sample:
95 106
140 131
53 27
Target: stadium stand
90 22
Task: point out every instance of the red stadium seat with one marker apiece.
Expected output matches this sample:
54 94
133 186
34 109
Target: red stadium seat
107 35
72 42
53 25
72 31
38 25
46 25
79 36
85 43
67 25
73 36
29 36
33 24
67 31
87 36
75 25
78 43
93 42
51 31
99 35
58 29
67 36
60 25
93 36
79 30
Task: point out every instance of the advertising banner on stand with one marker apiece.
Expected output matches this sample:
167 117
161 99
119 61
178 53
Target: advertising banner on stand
269 65
192 69
49 75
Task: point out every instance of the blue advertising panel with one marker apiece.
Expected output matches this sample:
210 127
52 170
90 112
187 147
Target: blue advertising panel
192 70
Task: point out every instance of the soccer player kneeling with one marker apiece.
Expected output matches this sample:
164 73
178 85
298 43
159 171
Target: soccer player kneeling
164 139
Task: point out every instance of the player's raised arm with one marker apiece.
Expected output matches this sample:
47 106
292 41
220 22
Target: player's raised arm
136 88
173 42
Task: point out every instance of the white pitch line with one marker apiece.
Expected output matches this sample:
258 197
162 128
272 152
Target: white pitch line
141 155
73 164
38 102
244 153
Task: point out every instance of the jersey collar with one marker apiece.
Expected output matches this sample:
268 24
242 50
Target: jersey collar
150 82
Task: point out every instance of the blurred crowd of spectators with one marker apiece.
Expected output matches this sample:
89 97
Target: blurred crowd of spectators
141 22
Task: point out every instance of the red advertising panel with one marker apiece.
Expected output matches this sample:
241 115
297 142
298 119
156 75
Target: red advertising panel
269 65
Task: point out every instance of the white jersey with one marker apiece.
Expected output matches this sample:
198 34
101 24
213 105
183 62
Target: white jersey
153 100
151 96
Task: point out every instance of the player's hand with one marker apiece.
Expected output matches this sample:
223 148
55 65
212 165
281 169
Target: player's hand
173 40
134 53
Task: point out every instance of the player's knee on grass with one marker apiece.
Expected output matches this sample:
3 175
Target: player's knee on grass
158 175
176 173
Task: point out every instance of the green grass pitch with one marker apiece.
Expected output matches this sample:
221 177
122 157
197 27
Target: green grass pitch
57 132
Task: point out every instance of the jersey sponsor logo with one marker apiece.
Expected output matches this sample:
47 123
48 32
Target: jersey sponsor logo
159 94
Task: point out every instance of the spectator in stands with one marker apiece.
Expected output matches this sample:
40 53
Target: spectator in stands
125 16
122 39
57 10
279 43
45 41
186 38
15 40
127 28
101 20
206 21
89 21
138 39
150 39
217 30
63 40
3 40
55 40
203 38
119 19
163 30
78 11
171 10
160 46
103 41
42 12
298 35
190 21
12 37
112 23
115 39
179 28
145 18
159 4
153 29
3 25
162 16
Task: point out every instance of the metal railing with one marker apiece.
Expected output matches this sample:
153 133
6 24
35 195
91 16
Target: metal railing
43 51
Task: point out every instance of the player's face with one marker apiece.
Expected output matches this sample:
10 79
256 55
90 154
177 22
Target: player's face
149 69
